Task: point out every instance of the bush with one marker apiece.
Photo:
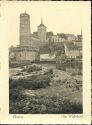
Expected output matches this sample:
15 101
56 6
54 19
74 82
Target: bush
21 104
35 82
52 105
15 93
49 72
41 81
32 68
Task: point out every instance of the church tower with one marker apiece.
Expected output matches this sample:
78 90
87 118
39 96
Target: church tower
24 29
42 32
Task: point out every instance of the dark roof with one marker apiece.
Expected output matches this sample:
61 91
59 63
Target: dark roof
24 14
71 46
41 25
28 48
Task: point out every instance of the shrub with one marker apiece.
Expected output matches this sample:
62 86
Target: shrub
40 81
53 105
49 72
33 68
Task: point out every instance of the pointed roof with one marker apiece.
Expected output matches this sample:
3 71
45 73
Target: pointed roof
41 21
71 46
41 25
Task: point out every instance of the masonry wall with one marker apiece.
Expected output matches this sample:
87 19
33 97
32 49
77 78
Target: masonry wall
24 29
42 34
72 53
26 55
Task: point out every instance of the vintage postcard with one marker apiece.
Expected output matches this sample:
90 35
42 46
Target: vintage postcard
45 54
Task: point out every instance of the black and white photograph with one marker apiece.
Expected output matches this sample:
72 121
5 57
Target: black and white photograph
45 61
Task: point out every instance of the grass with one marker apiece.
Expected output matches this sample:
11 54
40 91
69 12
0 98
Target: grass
40 104
21 104
35 82
45 98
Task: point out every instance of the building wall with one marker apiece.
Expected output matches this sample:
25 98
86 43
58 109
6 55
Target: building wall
71 37
26 55
35 42
47 57
78 44
71 53
56 38
42 33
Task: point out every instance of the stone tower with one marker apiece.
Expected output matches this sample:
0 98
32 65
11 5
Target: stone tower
24 29
42 32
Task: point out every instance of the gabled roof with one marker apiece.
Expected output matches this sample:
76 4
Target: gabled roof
71 46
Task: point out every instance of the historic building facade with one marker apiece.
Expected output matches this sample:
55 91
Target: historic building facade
24 29
42 32
36 44
72 50
25 50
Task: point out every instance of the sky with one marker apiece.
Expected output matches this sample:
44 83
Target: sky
58 17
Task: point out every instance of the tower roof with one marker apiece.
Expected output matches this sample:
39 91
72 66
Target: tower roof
41 21
24 14
41 25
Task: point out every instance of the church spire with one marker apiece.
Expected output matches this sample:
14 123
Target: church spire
41 20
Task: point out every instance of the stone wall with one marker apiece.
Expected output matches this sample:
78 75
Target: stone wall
26 55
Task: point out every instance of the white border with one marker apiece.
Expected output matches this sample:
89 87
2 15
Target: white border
5 117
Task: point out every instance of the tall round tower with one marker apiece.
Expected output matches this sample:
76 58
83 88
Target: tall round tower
42 32
24 29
